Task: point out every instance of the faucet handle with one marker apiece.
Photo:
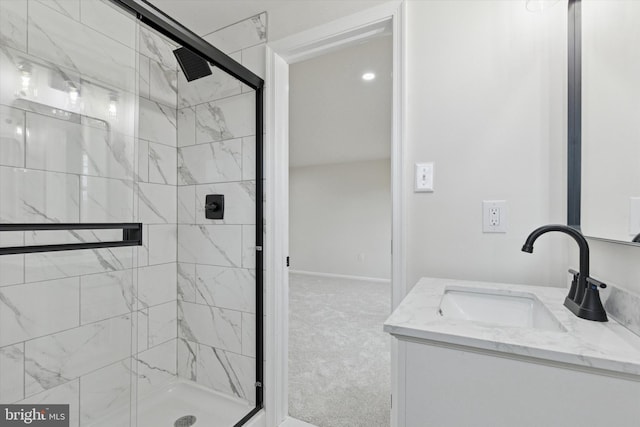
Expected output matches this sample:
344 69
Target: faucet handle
595 283
574 272
574 285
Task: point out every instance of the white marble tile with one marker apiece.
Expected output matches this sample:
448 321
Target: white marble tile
210 163
187 282
225 287
55 265
105 391
187 356
13 24
157 203
68 393
63 146
215 86
163 84
249 246
55 359
250 32
156 367
70 8
145 76
226 118
12 136
162 164
213 326
623 306
163 323
157 48
254 59
110 20
157 284
249 334
143 160
210 244
239 202
162 244
12 373
249 158
37 196
11 266
24 316
227 372
106 295
186 126
157 123
187 204
58 38
106 199
142 329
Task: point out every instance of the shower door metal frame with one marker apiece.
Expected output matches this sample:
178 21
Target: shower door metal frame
169 27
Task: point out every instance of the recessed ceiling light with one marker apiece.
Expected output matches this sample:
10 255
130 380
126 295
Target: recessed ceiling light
368 76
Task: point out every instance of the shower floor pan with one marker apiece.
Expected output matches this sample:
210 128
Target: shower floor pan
179 399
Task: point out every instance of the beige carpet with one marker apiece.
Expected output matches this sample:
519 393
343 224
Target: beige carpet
339 358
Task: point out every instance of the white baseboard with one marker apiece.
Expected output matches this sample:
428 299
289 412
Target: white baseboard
292 422
340 276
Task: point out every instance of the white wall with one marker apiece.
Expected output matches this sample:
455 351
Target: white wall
486 101
340 218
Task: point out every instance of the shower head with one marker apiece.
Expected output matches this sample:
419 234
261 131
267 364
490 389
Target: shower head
193 65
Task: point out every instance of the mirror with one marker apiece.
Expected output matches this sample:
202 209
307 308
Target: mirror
610 119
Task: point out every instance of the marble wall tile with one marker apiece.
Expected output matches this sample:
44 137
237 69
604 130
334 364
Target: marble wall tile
63 146
157 284
157 203
157 123
110 20
163 84
187 356
162 164
55 359
215 86
249 158
12 136
60 39
163 323
187 282
244 34
156 367
106 295
232 288
145 76
226 118
65 393
239 202
210 163
186 126
106 200
142 329
249 246
37 196
249 334
227 372
70 8
187 204
35 309
11 266
213 326
12 373
254 59
157 48
13 24
210 244
143 160
105 391
162 244
624 306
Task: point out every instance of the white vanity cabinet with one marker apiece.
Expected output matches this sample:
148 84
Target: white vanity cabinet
455 373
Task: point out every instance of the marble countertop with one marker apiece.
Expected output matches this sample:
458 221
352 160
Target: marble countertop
603 345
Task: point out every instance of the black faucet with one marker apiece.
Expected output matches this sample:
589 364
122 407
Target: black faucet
583 299
636 239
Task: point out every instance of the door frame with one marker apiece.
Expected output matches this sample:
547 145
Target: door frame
307 44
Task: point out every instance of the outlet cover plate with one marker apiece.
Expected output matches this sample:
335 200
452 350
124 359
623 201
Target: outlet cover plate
494 216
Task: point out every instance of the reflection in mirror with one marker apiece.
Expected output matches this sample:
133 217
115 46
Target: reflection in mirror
611 119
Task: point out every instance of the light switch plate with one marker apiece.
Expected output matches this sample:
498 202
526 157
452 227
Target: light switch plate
494 216
424 178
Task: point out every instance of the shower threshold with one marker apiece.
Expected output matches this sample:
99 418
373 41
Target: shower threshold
179 399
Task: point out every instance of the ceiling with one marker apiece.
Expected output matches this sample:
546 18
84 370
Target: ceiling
285 17
336 116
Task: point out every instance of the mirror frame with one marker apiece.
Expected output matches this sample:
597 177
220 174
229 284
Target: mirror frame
574 122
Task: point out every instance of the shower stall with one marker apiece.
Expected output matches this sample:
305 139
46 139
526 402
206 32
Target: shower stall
131 217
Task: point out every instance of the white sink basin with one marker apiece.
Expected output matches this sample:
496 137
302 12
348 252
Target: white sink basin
519 309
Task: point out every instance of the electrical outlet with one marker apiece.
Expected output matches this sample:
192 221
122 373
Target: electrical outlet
494 216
